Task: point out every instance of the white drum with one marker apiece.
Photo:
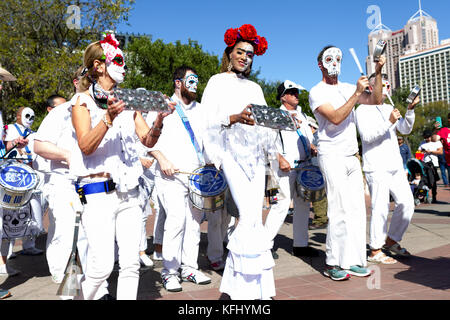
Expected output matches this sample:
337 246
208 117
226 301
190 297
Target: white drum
310 184
207 188
19 224
17 183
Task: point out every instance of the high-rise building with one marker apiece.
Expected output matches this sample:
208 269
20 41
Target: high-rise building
419 33
430 69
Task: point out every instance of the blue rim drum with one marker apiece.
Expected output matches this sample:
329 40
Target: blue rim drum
19 223
207 188
17 183
310 183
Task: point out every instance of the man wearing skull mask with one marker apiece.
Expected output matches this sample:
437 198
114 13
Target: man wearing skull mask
22 128
383 168
174 152
333 104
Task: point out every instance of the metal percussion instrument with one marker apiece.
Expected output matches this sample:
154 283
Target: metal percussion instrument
207 188
310 184
19 223
380 48
142 100
273 118
17 183
413 95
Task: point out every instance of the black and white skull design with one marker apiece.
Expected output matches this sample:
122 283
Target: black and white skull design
16 222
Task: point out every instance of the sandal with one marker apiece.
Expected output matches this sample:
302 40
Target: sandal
380 257
395 248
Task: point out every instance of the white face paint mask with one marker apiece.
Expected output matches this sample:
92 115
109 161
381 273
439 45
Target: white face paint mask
331 60
117 67
386 87
249 51
191 83
27 117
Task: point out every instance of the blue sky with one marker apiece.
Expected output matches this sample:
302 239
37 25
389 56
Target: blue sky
295 29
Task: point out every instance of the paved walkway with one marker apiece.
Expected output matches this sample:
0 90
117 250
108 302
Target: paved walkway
422 276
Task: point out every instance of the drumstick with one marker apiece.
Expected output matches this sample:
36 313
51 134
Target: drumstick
190 173
355 57
4 156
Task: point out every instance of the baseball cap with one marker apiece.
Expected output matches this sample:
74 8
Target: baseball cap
286 86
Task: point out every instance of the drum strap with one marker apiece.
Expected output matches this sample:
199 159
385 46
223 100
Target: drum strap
24 134
188 127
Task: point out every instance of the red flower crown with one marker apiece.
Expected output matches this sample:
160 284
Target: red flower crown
246 32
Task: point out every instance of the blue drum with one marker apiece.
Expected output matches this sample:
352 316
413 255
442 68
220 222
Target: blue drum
207 188
17 183
310 184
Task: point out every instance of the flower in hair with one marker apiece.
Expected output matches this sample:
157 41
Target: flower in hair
248 33
262 46
109 45
231 36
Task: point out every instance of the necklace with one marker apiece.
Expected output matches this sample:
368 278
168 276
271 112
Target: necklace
100 95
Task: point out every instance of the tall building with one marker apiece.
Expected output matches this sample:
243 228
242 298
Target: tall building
419 33
430 69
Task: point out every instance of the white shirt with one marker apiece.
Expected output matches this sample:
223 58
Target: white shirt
334 139
431 146
291 146
380 149
12 133
175 142
117 153
227 94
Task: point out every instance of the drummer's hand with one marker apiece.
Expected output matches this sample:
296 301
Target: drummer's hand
243 117
114 108
379 65
146 163
20 142
67 156
162 114
314 150
284 164
167 167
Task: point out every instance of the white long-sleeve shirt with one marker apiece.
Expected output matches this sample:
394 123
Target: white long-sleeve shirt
379 138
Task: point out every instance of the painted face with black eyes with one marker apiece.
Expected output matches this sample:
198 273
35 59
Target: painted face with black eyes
117 68
242 56
331 60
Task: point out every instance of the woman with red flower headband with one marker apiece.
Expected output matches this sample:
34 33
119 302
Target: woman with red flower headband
107 167
242 150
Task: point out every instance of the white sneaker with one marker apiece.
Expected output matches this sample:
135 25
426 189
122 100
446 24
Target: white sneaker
171 283
195 276
32 252
157 256
145 260
8 271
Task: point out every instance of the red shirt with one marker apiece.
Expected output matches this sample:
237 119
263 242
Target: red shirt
444 133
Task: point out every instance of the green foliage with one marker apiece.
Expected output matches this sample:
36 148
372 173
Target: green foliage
39 49
151 64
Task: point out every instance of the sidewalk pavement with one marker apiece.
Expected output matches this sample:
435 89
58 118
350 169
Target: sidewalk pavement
423 276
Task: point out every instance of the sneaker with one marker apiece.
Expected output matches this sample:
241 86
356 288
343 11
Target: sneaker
32 252
171 283
218 265
4 294
359 271
8 271
195 276
145 260
275 255
336 274
157 256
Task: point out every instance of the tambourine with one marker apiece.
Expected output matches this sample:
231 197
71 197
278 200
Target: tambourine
380 48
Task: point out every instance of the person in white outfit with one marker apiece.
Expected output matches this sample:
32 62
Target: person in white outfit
108 167
292 153
432 147
383 168
242 151
332 103
177 156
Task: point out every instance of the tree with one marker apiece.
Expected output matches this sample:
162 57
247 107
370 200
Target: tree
40 46
151 64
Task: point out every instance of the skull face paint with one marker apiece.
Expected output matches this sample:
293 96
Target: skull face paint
242 56
27 117
386 87
331 60
117 67
191 82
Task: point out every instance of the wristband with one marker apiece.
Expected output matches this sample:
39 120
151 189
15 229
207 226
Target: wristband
106 122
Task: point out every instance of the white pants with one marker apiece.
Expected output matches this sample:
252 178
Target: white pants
182 226
346 234
106 217
249 266
381 185
278 212
218 222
